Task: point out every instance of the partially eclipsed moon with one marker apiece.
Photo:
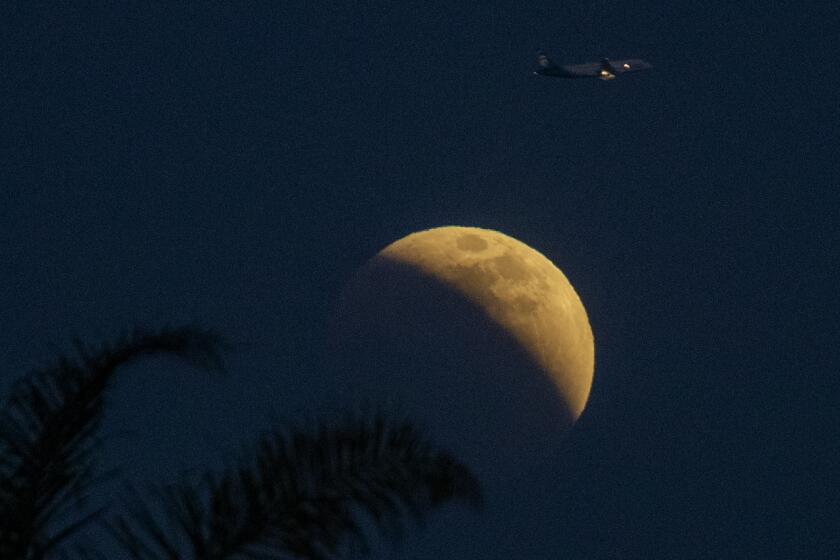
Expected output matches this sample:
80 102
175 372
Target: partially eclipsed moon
476 324
518 288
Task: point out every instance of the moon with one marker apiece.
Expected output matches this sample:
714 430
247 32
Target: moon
476 333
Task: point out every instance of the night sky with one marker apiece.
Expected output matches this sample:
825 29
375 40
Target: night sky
233 165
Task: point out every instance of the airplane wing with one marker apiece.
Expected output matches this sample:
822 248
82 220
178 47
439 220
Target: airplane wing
630 65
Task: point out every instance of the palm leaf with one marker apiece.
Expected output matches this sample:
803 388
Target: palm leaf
301 495
48 428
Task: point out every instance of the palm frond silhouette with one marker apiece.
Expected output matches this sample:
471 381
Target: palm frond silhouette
301 496
48 434
308 492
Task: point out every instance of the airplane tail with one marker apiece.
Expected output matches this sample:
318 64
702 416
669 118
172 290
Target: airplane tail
544 61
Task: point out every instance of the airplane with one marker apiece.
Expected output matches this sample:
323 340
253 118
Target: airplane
605 70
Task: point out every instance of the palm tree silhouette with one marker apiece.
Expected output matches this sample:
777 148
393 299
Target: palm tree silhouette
299 494
296 497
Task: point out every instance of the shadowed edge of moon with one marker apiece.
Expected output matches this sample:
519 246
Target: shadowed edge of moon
405 338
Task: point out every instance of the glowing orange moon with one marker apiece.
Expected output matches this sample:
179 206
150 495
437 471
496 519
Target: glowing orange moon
482 321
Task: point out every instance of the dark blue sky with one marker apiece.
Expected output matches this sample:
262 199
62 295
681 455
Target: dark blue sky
233 165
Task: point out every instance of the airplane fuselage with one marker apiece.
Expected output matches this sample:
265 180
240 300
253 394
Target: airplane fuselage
606 69
568 72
